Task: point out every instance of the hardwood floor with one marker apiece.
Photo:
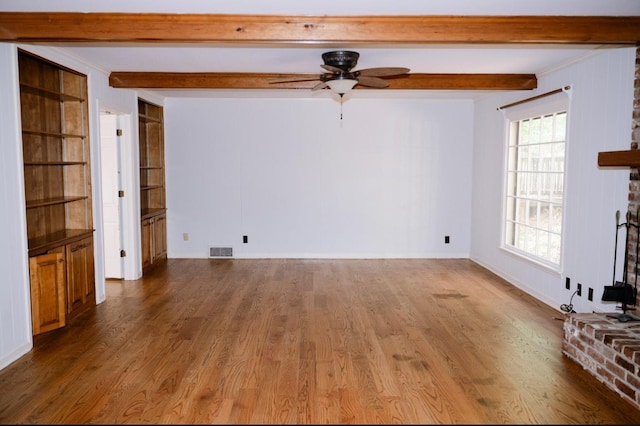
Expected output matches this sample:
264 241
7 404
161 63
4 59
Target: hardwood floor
309 342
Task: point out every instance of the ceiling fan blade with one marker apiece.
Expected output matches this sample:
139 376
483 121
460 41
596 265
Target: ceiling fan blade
372 82
332 68
293 79
384 71
319 86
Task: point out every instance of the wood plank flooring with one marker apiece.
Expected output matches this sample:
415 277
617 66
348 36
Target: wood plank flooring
285 341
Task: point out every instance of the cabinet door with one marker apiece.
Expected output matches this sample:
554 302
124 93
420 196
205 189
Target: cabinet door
147 243
48 310
160 237
80 275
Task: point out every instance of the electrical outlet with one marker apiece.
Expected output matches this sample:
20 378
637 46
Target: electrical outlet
185 236
590 294
579 289
446 239
567 283
245 239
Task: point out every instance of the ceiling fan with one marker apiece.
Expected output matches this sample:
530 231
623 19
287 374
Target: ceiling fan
341 77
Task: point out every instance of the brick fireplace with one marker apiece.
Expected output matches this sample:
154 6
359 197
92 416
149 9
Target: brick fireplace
634 177
607 348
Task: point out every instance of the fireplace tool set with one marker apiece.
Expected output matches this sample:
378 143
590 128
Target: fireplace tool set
621 291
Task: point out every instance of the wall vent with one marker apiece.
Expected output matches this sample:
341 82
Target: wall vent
215 252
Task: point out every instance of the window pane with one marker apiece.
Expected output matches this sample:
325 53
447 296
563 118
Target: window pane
555 219
521 210
560 127
542 244
555 243
531 240
523 133
511 183
547 128
534 130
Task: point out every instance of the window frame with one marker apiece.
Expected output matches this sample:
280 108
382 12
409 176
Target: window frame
530 110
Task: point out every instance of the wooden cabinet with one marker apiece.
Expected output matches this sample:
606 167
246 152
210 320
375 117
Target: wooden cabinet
80 276
160 237
154 240
74 279
57 178
152 184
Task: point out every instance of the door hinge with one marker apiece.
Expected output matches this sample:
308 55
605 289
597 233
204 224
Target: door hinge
120 194
118 132
123 253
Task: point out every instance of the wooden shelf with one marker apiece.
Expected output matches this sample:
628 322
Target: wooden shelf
150 187
149 119
41 91
52 134
54 201
147 213
47 242
55 163
628 158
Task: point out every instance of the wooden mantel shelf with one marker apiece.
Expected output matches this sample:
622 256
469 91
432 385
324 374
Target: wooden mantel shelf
629 158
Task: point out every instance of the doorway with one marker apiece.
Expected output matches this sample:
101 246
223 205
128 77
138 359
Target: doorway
111 173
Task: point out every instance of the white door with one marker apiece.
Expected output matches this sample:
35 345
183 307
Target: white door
111 205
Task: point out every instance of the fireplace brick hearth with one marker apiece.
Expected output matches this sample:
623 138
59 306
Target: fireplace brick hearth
608 349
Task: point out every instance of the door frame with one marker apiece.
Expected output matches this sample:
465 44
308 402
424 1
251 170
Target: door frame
127 182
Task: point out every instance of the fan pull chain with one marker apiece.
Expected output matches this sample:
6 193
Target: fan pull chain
341 99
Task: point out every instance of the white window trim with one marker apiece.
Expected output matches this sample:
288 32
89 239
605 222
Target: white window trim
538 107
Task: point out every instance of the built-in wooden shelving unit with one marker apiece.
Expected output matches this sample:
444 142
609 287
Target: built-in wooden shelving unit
57 180
152 190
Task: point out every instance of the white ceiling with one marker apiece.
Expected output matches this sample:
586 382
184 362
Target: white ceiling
537 59
338 7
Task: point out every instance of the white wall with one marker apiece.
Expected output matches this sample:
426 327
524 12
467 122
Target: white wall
599 120
15 309
389 180
338 7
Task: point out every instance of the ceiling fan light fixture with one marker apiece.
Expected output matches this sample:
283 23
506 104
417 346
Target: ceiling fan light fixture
341 59
341 86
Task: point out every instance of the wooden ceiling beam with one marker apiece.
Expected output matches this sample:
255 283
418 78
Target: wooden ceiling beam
217 28
177 80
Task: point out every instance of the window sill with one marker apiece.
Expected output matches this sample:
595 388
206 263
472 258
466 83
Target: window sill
539 264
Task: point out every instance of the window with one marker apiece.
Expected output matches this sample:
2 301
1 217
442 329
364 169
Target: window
535 181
